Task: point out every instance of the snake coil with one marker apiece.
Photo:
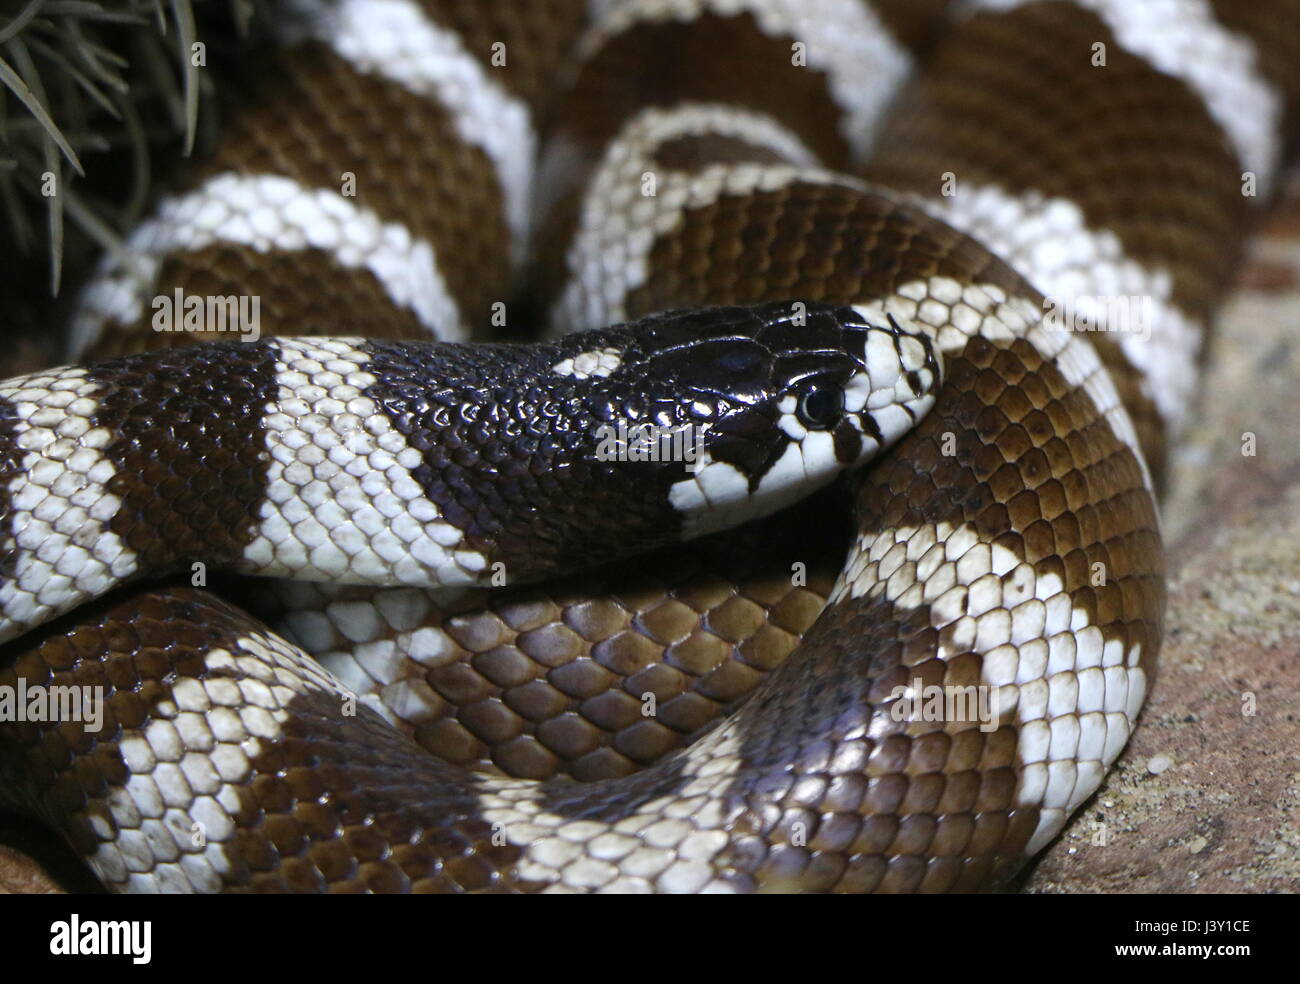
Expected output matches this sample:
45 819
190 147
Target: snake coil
982 241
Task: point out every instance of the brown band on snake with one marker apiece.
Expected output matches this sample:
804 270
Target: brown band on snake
685 154
915 24
299 292
867 246
683 59
869 810
525 45
992 111
695 151
202 450
375 834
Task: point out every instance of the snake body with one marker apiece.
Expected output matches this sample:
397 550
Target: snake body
1034 203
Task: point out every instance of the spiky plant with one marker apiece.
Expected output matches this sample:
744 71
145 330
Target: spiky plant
82 77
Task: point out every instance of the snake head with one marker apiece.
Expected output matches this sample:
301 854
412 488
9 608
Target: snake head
805 392
678 425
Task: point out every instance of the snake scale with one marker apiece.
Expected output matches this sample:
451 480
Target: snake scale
988 233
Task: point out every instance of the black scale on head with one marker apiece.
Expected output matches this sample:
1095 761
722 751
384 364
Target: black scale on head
508 443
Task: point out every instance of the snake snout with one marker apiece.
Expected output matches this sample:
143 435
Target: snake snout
900 373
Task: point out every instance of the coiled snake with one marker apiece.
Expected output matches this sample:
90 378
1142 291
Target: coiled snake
991 234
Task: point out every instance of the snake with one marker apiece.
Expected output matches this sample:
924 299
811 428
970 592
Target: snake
922 286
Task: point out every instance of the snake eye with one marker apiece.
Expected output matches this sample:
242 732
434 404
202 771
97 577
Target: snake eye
820 406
